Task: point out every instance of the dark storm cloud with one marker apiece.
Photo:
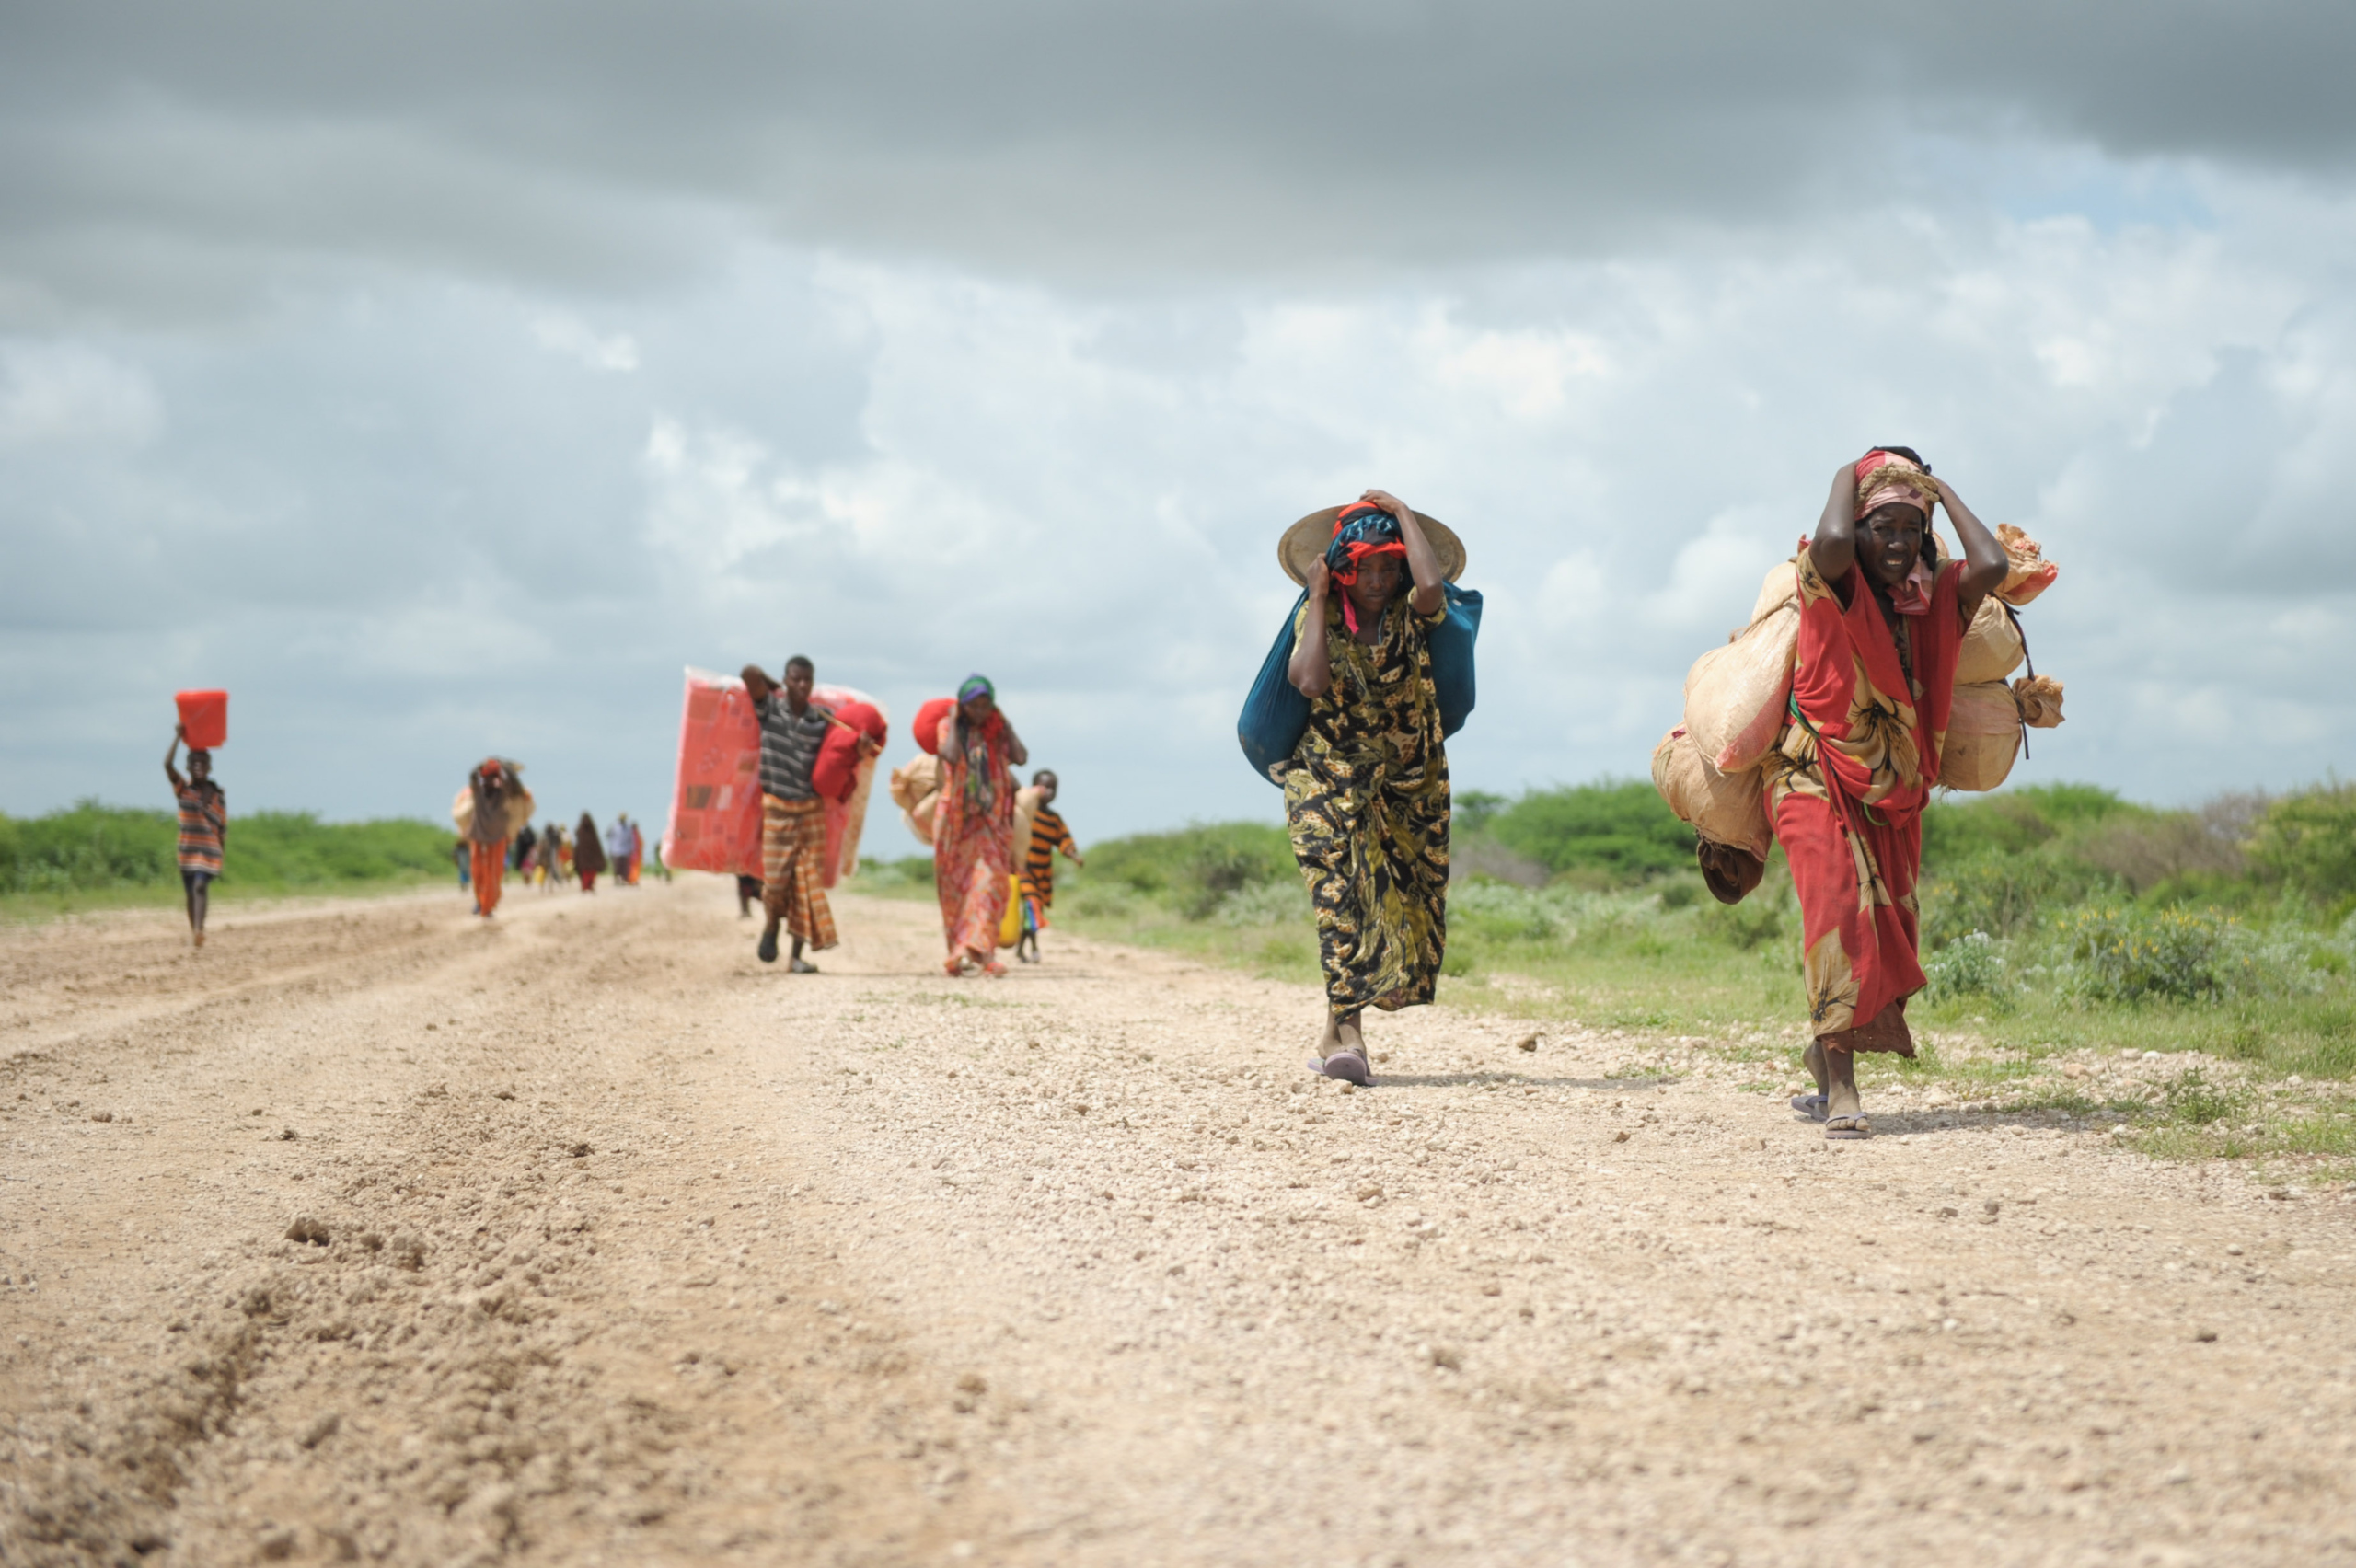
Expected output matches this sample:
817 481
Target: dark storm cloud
163 157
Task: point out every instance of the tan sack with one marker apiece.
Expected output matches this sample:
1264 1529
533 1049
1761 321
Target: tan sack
1781 586
462 810
2039 699
1993 649
916 790
1737 696
913 779
1983 737
2027 571
1026 811
1723 808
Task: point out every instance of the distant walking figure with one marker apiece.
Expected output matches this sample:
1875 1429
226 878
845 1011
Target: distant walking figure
588 855
793 818
204 827
1048 838
495 788
973 837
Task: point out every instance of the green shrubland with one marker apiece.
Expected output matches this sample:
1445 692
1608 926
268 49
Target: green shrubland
2057 918
92 856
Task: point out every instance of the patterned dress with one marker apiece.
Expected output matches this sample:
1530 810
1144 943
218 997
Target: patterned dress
973 837
1847 789
1367 796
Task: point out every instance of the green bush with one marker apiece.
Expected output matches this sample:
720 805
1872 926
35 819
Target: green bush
2307 843
1972 965
90 848
1195 867
2000 896
1620 830
2130 955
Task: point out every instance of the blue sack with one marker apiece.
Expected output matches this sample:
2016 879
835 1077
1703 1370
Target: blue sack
1274 714
1451 644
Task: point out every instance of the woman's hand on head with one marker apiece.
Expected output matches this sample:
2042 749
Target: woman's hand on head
1319 581
1389 503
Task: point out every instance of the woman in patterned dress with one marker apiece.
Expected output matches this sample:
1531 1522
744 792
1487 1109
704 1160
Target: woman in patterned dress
1882 619
973 837
1366 793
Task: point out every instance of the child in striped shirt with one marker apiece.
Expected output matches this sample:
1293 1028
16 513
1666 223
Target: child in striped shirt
205 826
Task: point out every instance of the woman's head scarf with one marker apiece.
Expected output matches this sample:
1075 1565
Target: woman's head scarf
1362 530
1885 479
978 744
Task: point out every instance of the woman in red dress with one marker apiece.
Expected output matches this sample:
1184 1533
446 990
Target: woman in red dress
1881 620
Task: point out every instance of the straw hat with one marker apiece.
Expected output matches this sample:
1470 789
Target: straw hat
1306 540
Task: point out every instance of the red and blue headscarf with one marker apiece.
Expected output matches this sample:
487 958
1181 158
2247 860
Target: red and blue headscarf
1363 529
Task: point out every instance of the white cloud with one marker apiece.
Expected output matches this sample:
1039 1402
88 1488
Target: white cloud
571 337
68 392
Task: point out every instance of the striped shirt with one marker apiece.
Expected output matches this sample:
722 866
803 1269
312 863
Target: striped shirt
205 821
1048 835
790 746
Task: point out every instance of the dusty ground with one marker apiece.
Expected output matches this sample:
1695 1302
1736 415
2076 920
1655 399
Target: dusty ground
623 1248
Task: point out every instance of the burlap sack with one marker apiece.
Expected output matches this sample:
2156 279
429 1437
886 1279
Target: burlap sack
916 790
915 779
1736 697
1724 807
1781 586
1983 737
1991 649
2027 571
1026 811
462 811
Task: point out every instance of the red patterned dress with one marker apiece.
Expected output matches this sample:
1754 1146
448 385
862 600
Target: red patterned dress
973 837
1847 792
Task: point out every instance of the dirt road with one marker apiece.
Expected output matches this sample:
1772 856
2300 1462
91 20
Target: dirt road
372 1233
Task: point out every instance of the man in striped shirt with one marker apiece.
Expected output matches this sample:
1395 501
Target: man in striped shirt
205 826
793 819
1048 835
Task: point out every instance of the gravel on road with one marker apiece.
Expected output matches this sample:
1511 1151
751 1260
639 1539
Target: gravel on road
375 1232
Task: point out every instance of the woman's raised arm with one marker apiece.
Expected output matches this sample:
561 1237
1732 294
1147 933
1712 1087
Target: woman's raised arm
1834 548
1311 669
1422 565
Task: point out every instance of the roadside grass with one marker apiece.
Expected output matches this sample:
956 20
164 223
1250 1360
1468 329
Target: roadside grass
2086 955
91 858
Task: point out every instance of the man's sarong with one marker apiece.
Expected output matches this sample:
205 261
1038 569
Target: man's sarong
490 862
793 842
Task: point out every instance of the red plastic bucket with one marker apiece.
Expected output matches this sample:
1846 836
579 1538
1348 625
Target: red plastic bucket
205 715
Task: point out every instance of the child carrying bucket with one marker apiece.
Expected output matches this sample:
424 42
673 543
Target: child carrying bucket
205 826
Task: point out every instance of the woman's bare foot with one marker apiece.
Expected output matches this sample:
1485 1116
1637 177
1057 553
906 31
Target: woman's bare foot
1844 1109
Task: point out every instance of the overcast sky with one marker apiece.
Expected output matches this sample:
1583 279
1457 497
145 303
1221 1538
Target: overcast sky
443 379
